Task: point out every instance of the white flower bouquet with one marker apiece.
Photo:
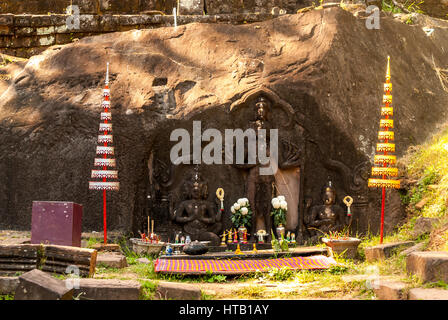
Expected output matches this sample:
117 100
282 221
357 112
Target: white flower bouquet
241 213
280 207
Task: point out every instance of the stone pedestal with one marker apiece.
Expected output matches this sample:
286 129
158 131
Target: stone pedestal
56 222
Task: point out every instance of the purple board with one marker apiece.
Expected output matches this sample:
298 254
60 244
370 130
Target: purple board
56 222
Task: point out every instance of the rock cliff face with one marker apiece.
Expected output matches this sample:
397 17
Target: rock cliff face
322 72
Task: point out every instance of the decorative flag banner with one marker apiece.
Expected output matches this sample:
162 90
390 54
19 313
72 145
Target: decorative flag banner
229 266
103 161
384 162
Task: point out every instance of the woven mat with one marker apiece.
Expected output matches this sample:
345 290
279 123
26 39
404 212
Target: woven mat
226 266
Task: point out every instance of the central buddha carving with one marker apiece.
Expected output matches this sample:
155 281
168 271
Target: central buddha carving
198 217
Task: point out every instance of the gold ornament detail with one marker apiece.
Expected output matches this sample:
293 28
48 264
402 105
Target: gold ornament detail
385 147
387 111
386 123
383 183
391 172
383 161
386 135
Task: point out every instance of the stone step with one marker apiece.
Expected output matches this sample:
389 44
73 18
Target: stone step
8 285
108 289
111 260
391 290
383 251
38 285
429 266
418 247
106 247
177 291
428 294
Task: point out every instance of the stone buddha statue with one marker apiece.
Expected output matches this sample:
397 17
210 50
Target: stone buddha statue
199 217
327 217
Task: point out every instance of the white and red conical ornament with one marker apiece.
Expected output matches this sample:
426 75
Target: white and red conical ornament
104 161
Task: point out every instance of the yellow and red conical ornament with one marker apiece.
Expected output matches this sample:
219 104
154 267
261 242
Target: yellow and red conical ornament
105 162
384 168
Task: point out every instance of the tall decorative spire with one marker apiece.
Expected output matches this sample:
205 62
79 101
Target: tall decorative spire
105 152
384 162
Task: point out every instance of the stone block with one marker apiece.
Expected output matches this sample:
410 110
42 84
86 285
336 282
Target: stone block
177 291
22 21
130 20
58 19
5 41
48 41
38 285
88 23
119 6
391 290
106 247
156 5
8 285
5 30
417 247
383 251
108 289
429 266
143 260
111 260
109 23
6 20
428 294
45 30
191 7
423 226
24 31
41 21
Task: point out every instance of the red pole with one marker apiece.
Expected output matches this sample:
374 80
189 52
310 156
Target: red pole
382 214
104 216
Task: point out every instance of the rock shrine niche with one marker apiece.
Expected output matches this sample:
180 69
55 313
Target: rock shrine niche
176 193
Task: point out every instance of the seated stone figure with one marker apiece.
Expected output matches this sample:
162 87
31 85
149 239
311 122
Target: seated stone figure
199 217
327 217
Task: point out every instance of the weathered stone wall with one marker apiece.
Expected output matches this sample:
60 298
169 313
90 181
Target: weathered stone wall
137 6
27 35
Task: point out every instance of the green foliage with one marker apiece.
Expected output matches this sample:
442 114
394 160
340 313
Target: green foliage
337 269
148 290
239 220
211 278
439 284
6 297
389 6
279 216
409 5
92 241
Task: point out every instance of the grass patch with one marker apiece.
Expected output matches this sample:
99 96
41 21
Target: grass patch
148 290
253 291
6 297
439 285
